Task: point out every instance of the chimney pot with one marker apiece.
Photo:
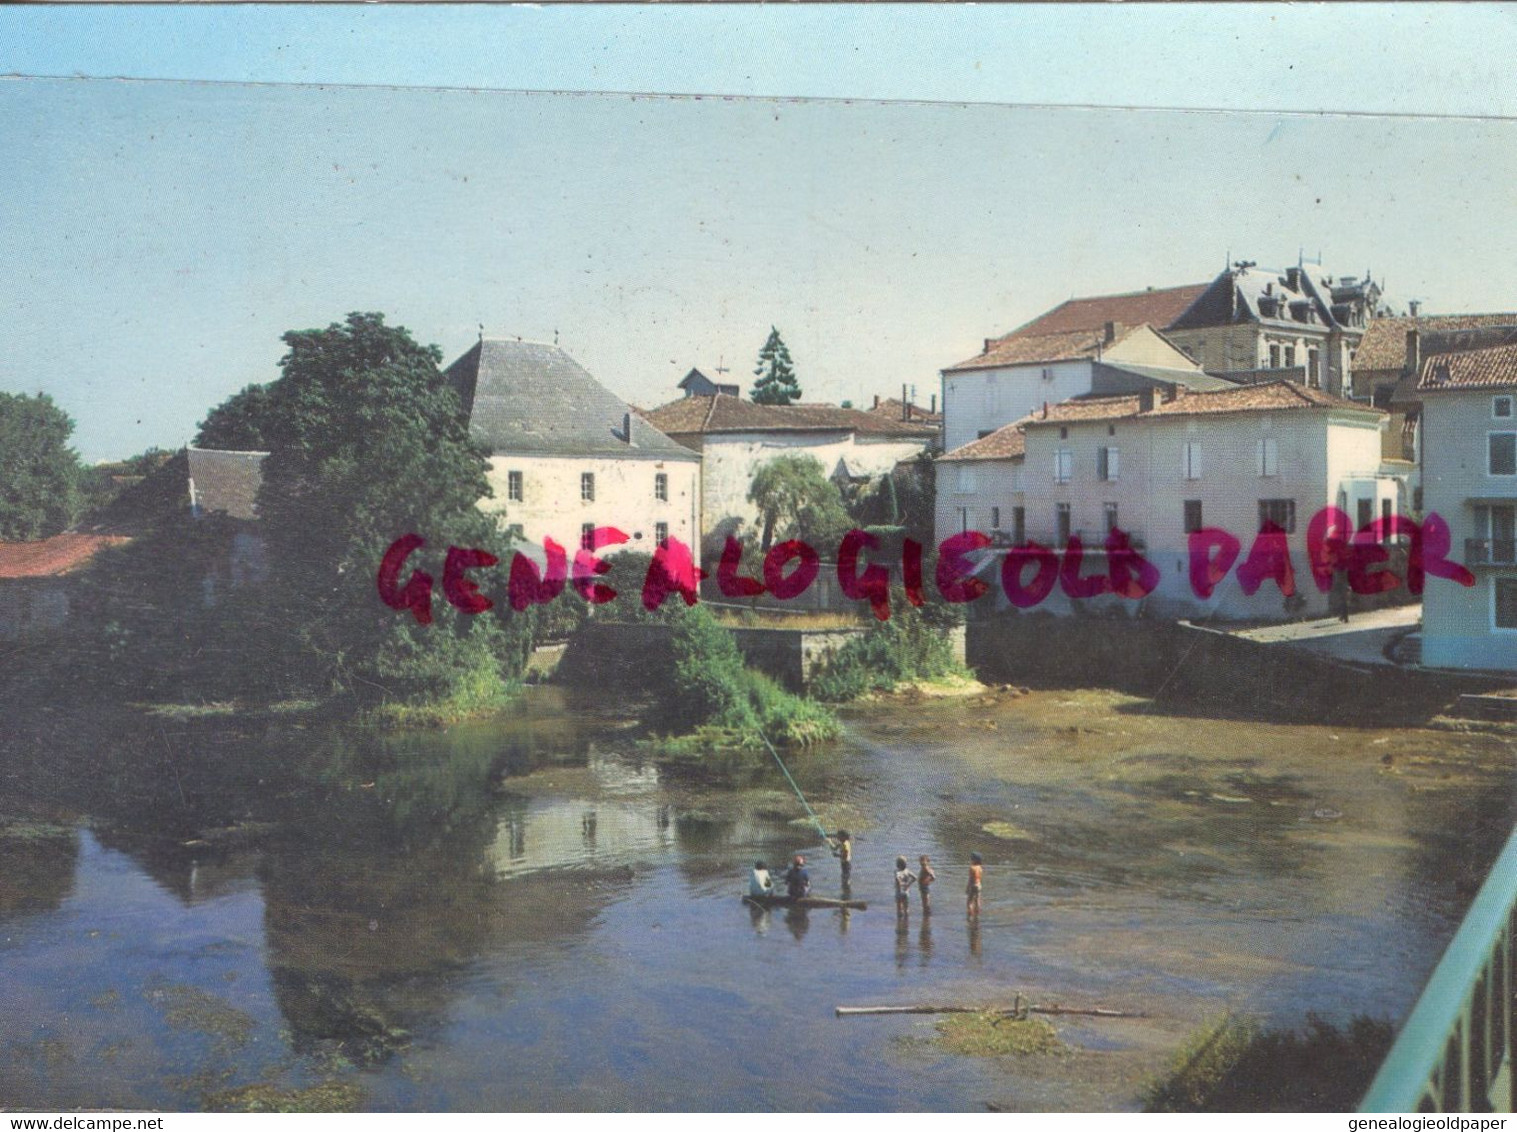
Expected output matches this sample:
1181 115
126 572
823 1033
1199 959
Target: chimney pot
1110 332
1414 306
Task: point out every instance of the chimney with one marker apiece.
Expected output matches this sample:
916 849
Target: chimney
986 350
1045 410
876 400
627 428
1109 333
905 413
1146 400
1414 305
934 403
1413 352
1169 392
1293 278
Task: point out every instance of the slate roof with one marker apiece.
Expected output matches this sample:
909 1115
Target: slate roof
721 413
695 383
1157 308
1472 369
225 482
1261 294
1270 397
1009 442
52 557
530 398
1383 346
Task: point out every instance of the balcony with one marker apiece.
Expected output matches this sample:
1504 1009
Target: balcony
1091 541
1490 552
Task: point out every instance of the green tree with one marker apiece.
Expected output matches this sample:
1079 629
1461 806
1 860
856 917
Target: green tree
776 384
238 424
39 472
797 500
368 443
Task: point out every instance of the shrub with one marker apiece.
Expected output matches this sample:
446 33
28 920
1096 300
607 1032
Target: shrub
915 644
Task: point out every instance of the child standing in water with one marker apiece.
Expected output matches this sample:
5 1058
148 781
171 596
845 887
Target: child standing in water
925 879
976 879
843 847
904 879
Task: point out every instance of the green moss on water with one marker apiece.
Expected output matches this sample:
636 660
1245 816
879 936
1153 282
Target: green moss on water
190 1008
329 1096
992 1033
1005 831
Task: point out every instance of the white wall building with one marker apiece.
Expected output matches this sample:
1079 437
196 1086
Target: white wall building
1159 468
1469 478
567 455
735 438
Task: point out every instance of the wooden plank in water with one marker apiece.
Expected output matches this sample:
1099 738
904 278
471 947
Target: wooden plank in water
804 902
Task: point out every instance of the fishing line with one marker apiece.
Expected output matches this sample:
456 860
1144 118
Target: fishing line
786 772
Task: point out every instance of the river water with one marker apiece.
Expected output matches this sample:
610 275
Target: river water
531 914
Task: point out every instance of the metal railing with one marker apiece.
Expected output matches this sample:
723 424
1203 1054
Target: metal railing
1490 552
1454 1053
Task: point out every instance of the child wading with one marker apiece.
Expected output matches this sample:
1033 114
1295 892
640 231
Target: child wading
976 879
925 879
843 848
904 879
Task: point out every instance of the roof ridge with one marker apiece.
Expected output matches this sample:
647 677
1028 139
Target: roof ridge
710 409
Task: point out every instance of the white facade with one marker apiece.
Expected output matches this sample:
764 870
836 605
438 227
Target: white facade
980 400
979 495
548 497
1229 466
1469 482
729 461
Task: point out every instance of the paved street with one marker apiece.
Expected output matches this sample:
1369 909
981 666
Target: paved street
1363 639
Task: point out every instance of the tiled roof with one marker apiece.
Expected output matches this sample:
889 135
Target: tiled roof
1157 308
1383 346
52 557
1474 369
1021 349
223 482
721 413
1008 442
530 398
891 407
1271 397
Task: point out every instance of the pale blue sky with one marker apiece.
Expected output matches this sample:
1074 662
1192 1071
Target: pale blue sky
161 235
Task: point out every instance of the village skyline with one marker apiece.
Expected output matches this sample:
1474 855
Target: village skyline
649 235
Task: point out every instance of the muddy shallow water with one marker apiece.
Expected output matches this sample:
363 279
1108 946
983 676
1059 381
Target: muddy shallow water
530 915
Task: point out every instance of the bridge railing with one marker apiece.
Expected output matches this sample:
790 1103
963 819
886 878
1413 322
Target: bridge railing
1454 1054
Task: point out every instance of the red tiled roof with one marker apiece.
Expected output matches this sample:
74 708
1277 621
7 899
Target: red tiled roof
1269 397
1020 349
1157 308
721 413
1476 369
51 557
1383 346
890 408
1008 442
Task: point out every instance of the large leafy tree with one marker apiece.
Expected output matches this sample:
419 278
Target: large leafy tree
238 423
797 500
368 443
39 472
776 383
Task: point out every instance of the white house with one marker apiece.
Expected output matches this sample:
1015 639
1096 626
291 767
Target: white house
567 455
1469 478
1159 467
736 437
1068 353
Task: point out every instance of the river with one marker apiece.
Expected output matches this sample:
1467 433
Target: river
530 914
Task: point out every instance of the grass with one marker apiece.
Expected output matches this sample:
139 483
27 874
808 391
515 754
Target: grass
330 1096
1234 1065
483 695
992 1033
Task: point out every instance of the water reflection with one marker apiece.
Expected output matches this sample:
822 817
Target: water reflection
36 870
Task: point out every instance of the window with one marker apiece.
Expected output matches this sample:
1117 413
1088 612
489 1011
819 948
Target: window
660 533
1274 357
513 487
1269 456
587 536
1313 375
995 518
1063 432
1503 453
587 487
1190 459
1063 465
1501 406
1505 613
516 532
964 478
1192 516
1108 463
1386 514
1019 525
661 486
1111 430
1281 512
1495 535
1290 356
1366 513
1061 524
1111 517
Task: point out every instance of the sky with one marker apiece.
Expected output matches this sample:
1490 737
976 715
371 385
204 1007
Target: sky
161 234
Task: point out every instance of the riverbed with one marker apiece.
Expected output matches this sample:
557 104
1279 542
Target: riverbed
531 913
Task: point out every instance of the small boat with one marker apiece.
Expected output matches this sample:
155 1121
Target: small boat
779 900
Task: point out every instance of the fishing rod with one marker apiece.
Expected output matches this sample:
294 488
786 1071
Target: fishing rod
786 772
